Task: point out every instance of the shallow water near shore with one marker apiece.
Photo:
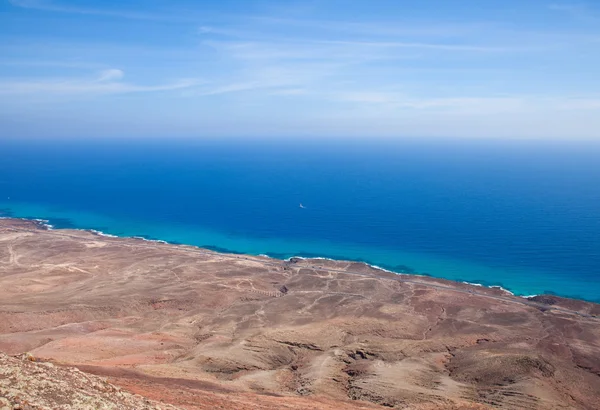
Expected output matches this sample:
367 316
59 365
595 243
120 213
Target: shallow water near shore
518 216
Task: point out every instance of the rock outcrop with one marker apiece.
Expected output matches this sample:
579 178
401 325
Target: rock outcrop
27 384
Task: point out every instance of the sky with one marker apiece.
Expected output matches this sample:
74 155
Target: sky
508 69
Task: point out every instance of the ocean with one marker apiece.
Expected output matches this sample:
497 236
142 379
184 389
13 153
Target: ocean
521 215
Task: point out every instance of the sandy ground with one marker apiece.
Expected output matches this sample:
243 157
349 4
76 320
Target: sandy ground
199 329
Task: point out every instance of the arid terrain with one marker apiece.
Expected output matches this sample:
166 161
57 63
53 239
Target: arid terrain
196 329
26 384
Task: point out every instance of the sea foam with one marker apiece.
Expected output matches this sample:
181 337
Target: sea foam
502 289
100 233
474 284
150 240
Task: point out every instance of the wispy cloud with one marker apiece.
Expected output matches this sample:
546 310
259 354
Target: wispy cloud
397 28
107 82
476 105
401 101
51 63
290 91
277 84
236 87
379 71
425 46
45 5
112 74
301 58
377 28
368 97
316 66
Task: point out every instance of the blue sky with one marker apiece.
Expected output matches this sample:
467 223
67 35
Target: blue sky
319 68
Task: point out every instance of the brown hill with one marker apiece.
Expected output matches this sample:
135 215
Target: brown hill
199 329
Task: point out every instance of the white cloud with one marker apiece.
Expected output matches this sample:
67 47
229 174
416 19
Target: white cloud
107 82
111 75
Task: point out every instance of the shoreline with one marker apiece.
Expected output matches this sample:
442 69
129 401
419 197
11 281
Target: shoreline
46 225
543 302
523 281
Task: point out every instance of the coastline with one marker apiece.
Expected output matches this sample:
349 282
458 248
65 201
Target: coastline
519 280
543 302
45 224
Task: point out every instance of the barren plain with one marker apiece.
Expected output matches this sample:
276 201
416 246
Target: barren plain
197 329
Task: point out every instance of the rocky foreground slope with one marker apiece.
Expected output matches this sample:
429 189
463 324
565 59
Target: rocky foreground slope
200 330
27 384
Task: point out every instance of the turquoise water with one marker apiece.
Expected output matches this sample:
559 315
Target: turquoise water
522 217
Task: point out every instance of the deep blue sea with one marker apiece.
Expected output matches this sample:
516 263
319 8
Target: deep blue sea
521 215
